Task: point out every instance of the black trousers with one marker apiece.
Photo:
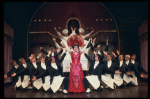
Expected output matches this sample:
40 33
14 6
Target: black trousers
65 81
84 72
122 86
129 84
66 74
86 85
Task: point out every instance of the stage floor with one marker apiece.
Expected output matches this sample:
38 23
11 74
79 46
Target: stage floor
140 91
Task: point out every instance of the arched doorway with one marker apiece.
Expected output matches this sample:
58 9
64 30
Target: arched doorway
75 24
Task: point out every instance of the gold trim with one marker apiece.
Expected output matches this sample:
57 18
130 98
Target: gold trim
103 31
94 34
29 25
45 32
39 32
116 25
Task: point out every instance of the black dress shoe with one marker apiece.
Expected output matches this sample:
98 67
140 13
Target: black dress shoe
24 89
35 89
122 86
43 89
17 88
50 90
99 89
112 89
128 85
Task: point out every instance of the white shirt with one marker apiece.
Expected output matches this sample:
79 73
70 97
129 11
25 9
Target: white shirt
98 52
43 66
67 57
96 63
127 62
121 62
37 57
73 33
84 60
52 54
16 66
109 63
54 65
24 65
66 37
133 61
34 64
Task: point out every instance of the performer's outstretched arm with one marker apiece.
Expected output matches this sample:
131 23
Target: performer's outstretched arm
68 49
43 51
135 70
85 46
92 48
10 72
88 57
142 69
59 34
56 44
62 57
88 34
42 74
107 47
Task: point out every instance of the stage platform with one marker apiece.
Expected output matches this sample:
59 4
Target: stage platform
140 91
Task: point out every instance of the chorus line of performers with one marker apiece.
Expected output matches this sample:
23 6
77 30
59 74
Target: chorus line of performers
46 73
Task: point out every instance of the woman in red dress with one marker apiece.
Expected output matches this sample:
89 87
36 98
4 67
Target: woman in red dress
76 75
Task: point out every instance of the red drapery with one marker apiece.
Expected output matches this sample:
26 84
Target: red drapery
144 54
7 59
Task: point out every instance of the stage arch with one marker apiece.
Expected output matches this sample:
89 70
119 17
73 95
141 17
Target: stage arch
90 15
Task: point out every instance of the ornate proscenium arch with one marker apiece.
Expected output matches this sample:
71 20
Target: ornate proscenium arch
93 15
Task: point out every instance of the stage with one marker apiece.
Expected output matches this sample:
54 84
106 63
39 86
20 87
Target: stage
140 91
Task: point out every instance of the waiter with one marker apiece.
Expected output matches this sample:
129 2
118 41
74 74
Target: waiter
67 60
41 67
24 77
98 51
15 66
30 70
118 78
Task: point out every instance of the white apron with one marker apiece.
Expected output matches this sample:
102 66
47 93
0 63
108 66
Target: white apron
66 65
18 83
57 81
84 62
118 80
46 85
107 79
66 62
93 80
134 82
25 81
38 83
126 78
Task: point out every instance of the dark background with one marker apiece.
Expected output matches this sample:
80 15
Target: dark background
128 15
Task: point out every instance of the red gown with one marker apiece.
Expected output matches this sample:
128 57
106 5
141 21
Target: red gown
76 76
